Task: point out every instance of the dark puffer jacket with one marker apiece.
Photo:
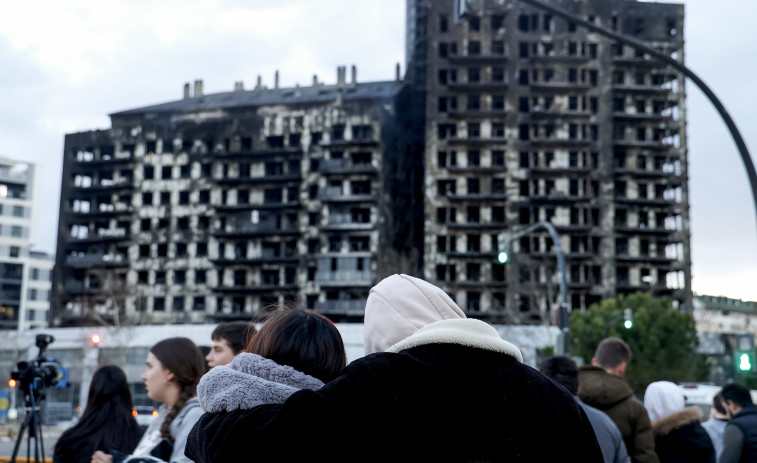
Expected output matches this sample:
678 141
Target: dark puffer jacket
614 396
433 402
679 438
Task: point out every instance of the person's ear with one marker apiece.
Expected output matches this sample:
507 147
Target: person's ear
621 369
594 361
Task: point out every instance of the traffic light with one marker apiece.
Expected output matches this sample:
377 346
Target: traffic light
503 247
11 383
628 318
95 340
745 353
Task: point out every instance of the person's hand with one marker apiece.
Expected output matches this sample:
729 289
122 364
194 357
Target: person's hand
101 457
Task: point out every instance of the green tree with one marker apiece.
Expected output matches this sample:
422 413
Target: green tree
663 340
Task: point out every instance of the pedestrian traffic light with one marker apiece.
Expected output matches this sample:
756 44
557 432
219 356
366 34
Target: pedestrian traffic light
745 353
503 248
628 318
95 340
12 383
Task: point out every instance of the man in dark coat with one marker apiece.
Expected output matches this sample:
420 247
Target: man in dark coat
446 389
740 437
602 386
564 372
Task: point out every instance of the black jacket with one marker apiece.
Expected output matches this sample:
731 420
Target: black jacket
680 438
435 402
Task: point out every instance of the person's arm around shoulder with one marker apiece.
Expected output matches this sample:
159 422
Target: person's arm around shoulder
643 438
733 443
313 416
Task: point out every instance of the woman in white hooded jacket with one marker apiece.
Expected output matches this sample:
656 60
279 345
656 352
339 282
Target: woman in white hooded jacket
294 349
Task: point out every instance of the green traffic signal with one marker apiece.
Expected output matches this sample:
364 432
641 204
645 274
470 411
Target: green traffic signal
628 324
745 362
502 257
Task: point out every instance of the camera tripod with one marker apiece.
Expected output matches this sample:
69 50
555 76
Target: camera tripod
33 426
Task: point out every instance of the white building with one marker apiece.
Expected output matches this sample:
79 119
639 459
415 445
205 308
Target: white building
717 314
25 275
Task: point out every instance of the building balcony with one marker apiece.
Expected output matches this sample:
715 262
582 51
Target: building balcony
231 208
83 260
348 143
658 145
477 59
335 194
346 222
660 231
542 114
247 229
338 166
477 87
355 307
644 258
103 186
557 58
559 87
256 288
86 163
478 197
558 170
646 173
478 225
478 168
107 210
474 113
103 235
255 154
553 141
344 278
652 202
624 116
641 89
476 141
267 179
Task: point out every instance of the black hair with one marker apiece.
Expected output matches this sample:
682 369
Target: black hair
237 334
302 339
107 420
738 394
561 370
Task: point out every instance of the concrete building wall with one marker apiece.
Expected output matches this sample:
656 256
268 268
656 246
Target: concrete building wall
530 118
215 207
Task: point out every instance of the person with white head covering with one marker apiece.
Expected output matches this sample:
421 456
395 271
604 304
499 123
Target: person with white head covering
678 435
436 386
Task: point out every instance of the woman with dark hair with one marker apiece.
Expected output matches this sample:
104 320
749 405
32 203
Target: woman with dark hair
106 423
174 366
294 349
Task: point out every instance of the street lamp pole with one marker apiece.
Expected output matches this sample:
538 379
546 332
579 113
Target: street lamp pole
562 311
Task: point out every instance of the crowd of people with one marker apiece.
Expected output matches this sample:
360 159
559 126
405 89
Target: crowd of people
433 386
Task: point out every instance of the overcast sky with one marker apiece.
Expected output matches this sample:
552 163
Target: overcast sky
64 66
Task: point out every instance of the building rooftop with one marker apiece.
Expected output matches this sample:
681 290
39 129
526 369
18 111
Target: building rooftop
266 96
727 304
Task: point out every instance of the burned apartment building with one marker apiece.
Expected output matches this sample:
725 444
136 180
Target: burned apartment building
530 118
214 206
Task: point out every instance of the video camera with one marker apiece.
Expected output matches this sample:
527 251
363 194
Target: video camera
40 372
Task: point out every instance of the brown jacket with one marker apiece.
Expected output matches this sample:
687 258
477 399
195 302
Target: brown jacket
614 396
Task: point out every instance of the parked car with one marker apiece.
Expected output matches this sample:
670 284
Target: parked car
144 414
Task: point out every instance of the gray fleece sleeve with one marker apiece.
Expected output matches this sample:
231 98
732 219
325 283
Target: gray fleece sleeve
733 442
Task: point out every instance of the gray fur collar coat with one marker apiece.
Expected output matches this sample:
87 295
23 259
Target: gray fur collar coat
250 380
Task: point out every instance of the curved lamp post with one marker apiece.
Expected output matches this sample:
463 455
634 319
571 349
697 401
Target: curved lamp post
630 41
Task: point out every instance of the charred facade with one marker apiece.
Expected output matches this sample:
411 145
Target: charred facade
531 118
215 206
